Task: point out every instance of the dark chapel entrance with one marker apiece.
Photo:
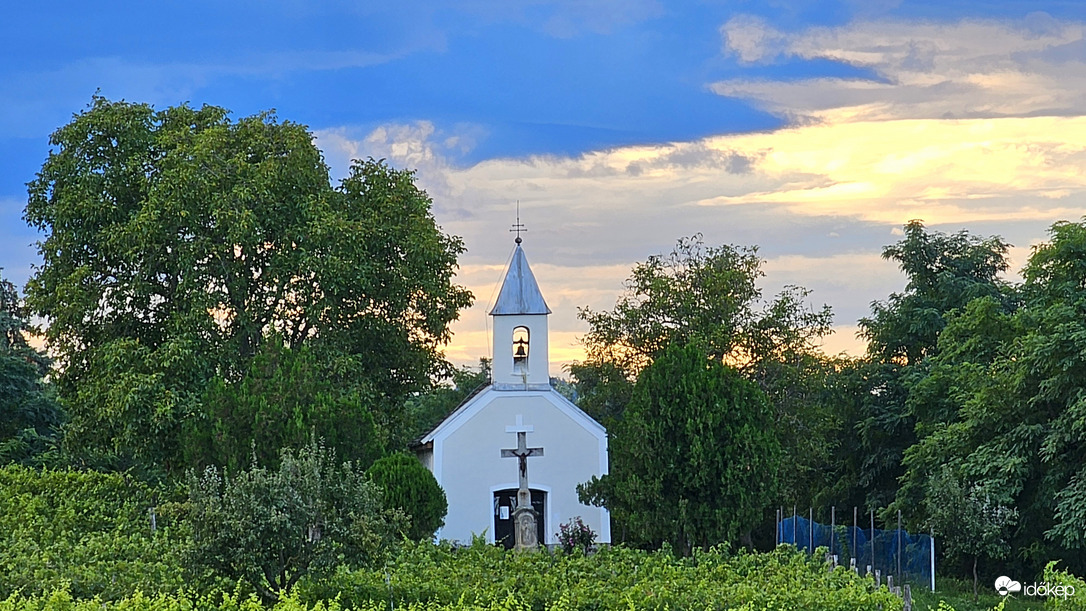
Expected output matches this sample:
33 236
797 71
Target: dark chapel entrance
504 502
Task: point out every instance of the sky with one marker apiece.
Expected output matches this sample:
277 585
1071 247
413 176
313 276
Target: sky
813 129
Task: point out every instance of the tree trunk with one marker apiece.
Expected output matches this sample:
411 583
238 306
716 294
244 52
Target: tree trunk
974 580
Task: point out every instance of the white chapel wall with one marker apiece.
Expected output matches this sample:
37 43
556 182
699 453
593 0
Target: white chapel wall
572 455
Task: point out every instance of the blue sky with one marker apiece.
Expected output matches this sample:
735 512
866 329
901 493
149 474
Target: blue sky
813 129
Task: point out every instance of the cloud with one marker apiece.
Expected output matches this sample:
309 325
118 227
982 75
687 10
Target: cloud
974 124
967 69
819 199
418 145
752 39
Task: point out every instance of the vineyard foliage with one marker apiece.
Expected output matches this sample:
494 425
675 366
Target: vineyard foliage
485 577
89 532
1055 577
435 578
82 541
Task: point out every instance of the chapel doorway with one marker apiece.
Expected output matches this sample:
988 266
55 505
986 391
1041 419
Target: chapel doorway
504 502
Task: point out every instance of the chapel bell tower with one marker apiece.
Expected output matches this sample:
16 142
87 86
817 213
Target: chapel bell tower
521 361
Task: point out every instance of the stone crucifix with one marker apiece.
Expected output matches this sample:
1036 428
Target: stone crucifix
524 518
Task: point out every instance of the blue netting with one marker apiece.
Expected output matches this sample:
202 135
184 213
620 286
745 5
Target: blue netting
912 564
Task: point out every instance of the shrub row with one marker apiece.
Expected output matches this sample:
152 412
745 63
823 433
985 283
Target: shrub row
613 578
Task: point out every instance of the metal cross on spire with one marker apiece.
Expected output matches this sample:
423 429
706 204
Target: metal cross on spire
518 226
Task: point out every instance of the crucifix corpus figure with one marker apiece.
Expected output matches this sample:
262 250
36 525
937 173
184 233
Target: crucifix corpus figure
524 518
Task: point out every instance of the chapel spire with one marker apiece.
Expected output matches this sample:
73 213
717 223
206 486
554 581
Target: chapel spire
520 293
520 352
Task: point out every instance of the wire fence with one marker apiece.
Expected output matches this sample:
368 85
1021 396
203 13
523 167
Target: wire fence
910 558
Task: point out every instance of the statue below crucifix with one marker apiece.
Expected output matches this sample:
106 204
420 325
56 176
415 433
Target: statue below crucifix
524 518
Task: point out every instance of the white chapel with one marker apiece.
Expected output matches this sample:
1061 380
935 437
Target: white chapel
464 451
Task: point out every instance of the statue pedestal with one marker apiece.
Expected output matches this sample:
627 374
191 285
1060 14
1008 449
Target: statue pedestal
524 529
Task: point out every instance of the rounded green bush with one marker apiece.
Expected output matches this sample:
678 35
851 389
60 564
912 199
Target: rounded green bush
410 486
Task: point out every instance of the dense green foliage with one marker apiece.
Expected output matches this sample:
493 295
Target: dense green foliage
689 458
428 577
1057 577
179 242
997 401
270 528
281 402
708 296
426 410
969 383
409 487
898 403
614 578
30 416
89 532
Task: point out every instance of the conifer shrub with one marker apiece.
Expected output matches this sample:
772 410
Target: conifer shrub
410 487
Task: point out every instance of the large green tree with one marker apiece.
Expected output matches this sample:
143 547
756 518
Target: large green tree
894 399
709 296
179 241
695 457
944 272
1049 362
1000 405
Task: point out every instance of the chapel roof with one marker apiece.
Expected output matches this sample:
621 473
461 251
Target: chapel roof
519 293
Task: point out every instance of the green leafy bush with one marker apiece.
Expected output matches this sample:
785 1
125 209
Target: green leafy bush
271 528
410 487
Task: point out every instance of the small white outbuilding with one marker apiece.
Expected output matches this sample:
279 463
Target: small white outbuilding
464 451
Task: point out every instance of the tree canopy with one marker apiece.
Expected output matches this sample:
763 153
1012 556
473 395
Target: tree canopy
898 392
978 394
30 417
708 297
178 242
704 295
944 273
693 457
